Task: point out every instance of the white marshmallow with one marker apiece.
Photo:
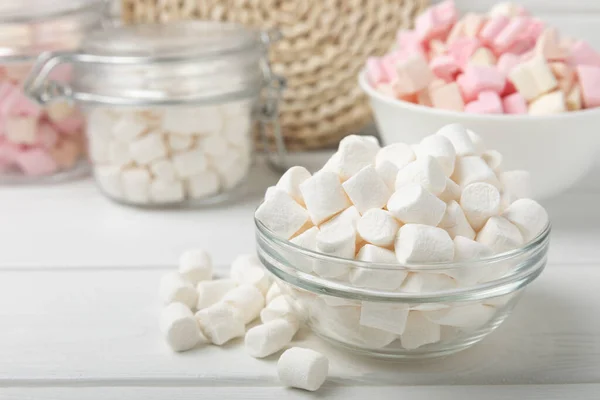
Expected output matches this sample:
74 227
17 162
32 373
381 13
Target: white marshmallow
180 328
388 317
387 171
211 292
367 190
460 139
202 185
233 168
417 243
473 169
273 292
354 153
324 196
378 227
118 153
98 148
220 323
282 215
347 219
455 223
419 331
196 265
247 299
269 192
164 192
412 283
214 146
477 142
148 148
173 288
335 242
193 120
527 215
390 159
163 170
128 127
264 340
190 163
237 128
425 171
278 308
451 192
515 185
480 201
493 159
291 180
136 185
373 278
247 269
109 180
500 235
179 142
339 301
463 316
434 282
302 368
307 240
412 204
550 103
468 250
440 148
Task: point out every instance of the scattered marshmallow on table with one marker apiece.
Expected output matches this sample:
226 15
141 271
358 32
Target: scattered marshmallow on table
247 299
273 292
247 269
303 368
278 308
505 62
174 288
220 323
180 328
270 337
212 291
196 265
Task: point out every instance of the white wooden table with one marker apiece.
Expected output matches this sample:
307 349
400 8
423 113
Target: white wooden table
78 310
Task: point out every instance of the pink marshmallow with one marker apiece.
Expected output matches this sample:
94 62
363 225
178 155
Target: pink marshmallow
462 49
487 103
8 151
6 89
477 79
374 71
534 29
47 136
548 45
581 53
70 125
17 104
36 162
589 80
409 40
507 62
514 104
445 67
492 28
21 130
413 75
510 34
436 21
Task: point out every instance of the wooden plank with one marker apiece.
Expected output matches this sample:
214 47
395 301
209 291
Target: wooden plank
97 327
330 390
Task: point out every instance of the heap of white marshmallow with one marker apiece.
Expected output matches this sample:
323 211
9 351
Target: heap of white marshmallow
170 154
445 199
224 307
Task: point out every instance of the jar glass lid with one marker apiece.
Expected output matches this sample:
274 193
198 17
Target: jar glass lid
187 39
30 10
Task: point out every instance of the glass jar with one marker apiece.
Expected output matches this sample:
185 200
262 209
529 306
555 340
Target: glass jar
169 108
401 311
40 143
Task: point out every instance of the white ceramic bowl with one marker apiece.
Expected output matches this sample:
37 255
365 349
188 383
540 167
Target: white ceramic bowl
558 149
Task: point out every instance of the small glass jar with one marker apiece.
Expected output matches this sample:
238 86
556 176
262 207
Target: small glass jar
170 108
401 311
40 143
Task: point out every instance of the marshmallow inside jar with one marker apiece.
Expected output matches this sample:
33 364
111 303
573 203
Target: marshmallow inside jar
41 143
170 109
422 268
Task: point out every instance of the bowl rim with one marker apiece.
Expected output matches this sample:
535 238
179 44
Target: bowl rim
535 243
371 92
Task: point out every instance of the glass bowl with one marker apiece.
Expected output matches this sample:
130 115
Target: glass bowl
401 311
